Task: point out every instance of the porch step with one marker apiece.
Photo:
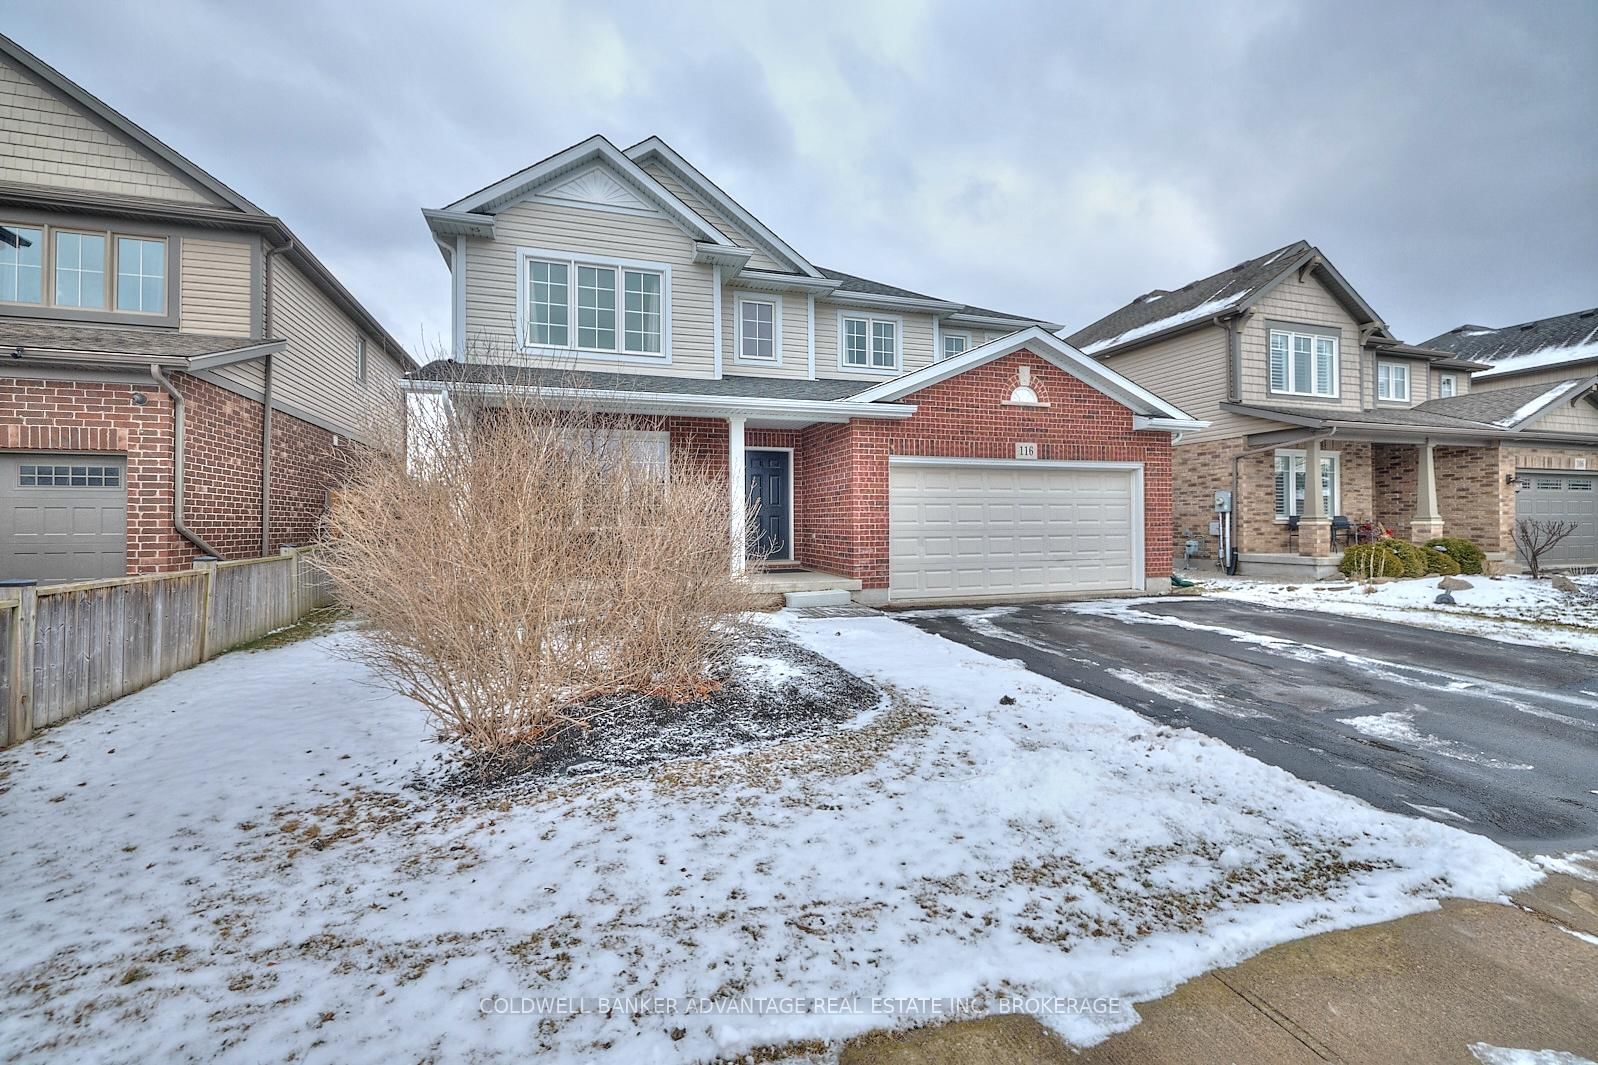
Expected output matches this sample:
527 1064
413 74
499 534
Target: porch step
818 597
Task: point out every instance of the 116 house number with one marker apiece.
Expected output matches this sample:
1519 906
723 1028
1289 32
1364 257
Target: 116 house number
1026 451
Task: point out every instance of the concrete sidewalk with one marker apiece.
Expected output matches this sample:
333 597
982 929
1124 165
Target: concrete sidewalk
1417 990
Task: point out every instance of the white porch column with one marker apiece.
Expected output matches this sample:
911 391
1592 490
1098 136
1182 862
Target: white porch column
1314 524
1428 522
737 493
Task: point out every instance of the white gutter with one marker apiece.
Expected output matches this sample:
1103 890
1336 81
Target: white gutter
680 402
915 303
1144 421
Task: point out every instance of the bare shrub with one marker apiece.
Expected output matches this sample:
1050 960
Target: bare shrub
1536 537
522 560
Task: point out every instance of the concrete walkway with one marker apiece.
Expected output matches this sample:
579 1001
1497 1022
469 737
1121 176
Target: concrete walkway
1417 990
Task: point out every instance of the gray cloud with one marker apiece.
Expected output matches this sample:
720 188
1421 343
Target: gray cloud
1037 157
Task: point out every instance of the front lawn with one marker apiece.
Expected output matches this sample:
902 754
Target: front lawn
1515 609
247 862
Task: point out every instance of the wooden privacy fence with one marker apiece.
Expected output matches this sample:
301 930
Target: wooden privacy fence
67 648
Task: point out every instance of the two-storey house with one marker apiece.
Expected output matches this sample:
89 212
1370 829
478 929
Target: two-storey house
181 376
1549 365
1321 424
892 444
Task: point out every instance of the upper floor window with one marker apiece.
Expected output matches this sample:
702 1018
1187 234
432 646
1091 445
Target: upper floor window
80 270
21 264
84 270
868 343
955 344
601 306
360 360
759 330
1303 364
1447 385
1392 381
141 275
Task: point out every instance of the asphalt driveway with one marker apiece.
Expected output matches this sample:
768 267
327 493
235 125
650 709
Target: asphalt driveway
1493 737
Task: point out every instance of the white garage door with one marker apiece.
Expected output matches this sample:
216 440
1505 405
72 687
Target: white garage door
960 530
62 517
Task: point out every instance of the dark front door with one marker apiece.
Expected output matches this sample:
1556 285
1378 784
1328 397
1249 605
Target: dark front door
769 474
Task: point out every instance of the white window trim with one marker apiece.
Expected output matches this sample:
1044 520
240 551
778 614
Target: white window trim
1390 367
942 352
1337 365
738 301
1336 458
1451 381
898 343
573 260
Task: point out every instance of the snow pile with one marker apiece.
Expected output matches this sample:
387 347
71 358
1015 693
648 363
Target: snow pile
1553 355
1513 609
229 865
1526 410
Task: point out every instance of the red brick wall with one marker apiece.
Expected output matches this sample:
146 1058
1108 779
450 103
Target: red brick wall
222 479
963 417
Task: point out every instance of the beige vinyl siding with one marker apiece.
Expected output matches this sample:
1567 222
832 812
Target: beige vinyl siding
1581 417
1307 303
316 373
46 139
493 292
1189 370
761 260
1420 383
915 343
1461 382
214 287
795 334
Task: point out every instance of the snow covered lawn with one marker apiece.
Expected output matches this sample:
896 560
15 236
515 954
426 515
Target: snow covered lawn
232 865
1512 609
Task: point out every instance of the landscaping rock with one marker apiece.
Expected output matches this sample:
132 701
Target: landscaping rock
1445 599
1565 584
1454 584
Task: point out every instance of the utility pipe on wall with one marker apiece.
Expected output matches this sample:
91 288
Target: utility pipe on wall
177 465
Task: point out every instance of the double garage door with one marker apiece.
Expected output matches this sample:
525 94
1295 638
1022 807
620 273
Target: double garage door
1571 497
62 517
978 530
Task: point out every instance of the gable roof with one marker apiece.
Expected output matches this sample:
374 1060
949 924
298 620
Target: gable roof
235 208
1514 349
1226 292
491 199
1040 342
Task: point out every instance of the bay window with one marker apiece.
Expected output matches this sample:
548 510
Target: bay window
607 306
1392 381
1291 483
82 270
868 343
1303 364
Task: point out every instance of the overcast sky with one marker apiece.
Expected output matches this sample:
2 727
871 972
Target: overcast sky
1053 159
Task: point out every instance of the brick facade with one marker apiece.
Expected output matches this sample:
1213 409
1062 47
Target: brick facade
222 478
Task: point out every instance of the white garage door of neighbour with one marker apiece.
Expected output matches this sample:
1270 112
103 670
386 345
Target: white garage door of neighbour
975 530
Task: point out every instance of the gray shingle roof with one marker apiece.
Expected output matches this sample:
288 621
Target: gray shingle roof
1412 418
1495 406
1553 341
1155 311
732 387
27 333
853 283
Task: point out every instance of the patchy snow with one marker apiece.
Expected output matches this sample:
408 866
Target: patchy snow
1550 356
1526 410
1511 609
1488 1054
1398 727
232 865
1207 309
1581 864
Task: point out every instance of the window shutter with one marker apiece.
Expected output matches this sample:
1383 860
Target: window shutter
1278 364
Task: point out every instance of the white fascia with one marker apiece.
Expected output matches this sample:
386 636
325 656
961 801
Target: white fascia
683 403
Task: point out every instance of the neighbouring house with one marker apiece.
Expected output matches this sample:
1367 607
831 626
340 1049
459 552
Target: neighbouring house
1548 368
892 445
1295 372
182 377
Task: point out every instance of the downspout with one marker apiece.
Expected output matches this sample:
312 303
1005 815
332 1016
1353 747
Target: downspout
177 465
266 398
1229 565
